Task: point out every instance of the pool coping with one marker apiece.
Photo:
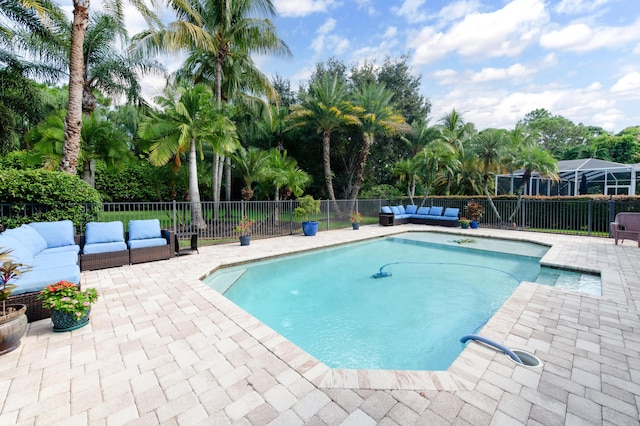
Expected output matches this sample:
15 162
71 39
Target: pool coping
466 370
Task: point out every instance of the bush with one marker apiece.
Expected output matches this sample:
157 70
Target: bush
41 195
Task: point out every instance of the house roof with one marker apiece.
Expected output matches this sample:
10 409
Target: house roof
591 167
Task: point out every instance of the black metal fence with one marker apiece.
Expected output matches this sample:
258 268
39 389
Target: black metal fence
269 219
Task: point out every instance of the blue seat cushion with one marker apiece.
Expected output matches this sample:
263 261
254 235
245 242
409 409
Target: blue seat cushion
435 211
148 242
411 209
433 216
386 209
143 229
105 247
395 210
423 211
104 232
451 212
57 234
402 216
64 249
28 237
39 278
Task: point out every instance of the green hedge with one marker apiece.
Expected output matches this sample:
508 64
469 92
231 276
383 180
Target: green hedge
40 195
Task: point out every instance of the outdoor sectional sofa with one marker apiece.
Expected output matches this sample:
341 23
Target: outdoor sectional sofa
398 215
50 249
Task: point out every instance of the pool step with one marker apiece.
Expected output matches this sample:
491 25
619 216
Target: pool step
222 280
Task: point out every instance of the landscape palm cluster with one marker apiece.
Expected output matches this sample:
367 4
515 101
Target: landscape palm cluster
347 133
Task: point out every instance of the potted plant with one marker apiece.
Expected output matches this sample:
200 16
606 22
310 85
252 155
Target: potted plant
464 223
13 320
70 306
305 211
474 211
356 218
244 229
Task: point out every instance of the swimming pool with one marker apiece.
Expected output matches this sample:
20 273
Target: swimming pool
327 302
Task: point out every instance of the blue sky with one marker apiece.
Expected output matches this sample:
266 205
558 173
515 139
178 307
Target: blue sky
492 60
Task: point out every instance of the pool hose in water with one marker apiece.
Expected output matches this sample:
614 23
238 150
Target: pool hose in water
384 274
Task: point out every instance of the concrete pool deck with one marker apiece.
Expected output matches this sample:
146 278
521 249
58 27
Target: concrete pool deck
163 348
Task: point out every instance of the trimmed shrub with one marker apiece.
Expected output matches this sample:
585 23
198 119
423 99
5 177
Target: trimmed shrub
41 195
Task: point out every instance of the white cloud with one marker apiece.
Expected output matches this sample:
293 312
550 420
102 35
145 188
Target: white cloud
326 43
579 6
582 38
411 10
627 84
515 71
458 9
368 6
298 8
490 106
505 32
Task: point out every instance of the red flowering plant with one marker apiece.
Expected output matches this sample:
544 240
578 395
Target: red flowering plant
244 227
67 297
356 217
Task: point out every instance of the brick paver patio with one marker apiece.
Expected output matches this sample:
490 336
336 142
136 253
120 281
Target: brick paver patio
163 348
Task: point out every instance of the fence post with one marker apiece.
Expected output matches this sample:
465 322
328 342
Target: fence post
175 218
290 217
328 214
589 217
612 213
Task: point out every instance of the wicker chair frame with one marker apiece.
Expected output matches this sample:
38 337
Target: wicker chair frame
149 254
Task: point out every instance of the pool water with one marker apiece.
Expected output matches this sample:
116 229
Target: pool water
440 288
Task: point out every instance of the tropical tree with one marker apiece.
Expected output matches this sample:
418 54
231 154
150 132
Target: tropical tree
189 120
326 109
223 35
454 131
285 177
491 148
101 140
250 163
408 170
106 69
377 117
432 159
73 120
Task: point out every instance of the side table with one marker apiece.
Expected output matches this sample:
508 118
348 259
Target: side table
193 236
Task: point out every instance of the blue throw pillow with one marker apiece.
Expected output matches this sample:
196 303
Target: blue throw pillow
29 237
56 234
451 212
143 229
411 209
104 232
386 209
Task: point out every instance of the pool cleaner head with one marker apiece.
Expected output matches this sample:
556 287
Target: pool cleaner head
381 273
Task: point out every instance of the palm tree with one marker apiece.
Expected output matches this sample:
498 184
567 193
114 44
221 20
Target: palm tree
284 175
491 148
108 71
101 140
73 121
326 108
455 132
250 163
188 121
377 117
431 160
408 170
222 33
528 155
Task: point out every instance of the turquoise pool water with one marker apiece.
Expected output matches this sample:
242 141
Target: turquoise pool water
441 287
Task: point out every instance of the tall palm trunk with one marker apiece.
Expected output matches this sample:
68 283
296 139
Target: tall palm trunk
197 219
73 120
490 200
367 143
525 179
328 179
